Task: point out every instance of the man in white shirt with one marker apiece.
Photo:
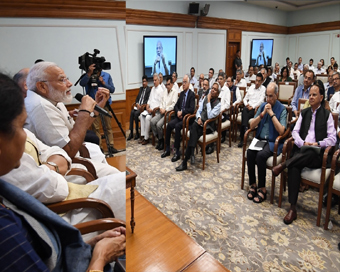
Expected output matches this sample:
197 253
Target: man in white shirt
48 89
311 67
174 79
336 95
154 101
168 102
211 77
295 73
200 85
239 81
302 76
251 76
300 65
193 79
237 98
254 97
161 81
225 100
319 70
328 84
290 69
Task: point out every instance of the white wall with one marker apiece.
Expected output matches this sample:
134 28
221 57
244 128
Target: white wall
63 41
314 15
279 48
201 48
237 10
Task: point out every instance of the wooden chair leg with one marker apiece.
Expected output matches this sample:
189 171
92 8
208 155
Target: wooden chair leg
203 153
328 210
281 190
318 219
230 136
218 152
272 190
243 170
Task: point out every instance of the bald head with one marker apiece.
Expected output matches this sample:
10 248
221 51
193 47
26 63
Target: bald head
20 79
185 82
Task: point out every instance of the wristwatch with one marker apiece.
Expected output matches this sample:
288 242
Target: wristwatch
91 113
54 165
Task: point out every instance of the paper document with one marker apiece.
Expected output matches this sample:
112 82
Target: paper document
257 144
145 113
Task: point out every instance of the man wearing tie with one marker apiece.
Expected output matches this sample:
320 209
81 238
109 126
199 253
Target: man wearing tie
185 104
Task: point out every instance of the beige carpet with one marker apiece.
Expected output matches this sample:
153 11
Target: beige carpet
211 208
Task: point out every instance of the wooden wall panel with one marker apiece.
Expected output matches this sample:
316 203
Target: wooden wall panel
145 17
219 23
314 27
101 9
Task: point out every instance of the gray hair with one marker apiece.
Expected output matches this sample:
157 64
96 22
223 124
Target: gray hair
156 75
265 70
21 75
38 73
239 72
219 87
276 88
336 73
306 66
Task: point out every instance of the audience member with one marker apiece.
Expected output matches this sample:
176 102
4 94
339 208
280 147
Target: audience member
314 128
336 68
300 65
251 75
254 97
209 108
302 76
302 91
141 99
174 79
270 74
161 81
332 62
237 98
311 67
329 83
184 105
48 89
154 101
237 62
193 79
239 81
266 79
169 99
296 72
205 90
284 75
211 77
323 66
32 236
271 120
224 96
276 69
319 70
20 79
335 91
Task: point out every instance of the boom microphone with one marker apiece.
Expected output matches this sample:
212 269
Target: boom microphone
96 107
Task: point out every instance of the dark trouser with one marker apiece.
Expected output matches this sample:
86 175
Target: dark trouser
134 117
176 124
91 137
246 115
295 165
260 158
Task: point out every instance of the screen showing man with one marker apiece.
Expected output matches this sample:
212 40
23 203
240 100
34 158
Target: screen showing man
261 52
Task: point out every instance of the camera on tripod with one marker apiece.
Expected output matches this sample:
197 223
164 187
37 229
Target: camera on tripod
87 59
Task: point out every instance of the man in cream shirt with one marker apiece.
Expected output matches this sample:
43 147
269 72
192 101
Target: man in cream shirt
239 81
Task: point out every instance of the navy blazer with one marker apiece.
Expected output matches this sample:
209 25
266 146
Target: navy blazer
146 96
189 103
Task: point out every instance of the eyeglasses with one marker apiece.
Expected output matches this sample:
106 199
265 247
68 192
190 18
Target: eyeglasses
63 80
336 78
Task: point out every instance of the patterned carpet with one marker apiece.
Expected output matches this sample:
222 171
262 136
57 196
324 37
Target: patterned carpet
212 209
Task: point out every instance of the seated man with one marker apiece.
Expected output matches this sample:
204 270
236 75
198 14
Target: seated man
184 105
329 83
205 88
251 76
48 118
266 79
154 101
237 98
315 128
239 81
225 101
208 109
336 86
20 79
161 81
254 98
271 119
302 91
42 173
141 99
169 99
174 79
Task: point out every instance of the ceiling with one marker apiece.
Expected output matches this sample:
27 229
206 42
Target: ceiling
288 5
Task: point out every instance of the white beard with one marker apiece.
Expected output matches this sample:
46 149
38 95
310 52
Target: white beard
58 96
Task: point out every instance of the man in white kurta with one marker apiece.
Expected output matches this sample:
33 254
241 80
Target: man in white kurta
154 101
170 97
37 178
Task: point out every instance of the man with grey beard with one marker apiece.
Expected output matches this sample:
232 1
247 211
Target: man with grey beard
47 117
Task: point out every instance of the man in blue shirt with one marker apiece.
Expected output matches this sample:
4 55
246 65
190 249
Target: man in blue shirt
91 81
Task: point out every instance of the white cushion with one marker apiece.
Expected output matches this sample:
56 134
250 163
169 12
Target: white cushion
336 184
314 175
270 160
285 91
209 137
239 118
225 124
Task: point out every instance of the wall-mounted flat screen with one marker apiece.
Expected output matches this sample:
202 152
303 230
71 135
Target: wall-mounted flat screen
261 52
160 55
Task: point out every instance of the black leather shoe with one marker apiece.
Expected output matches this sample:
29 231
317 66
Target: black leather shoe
335 200
157 145
192 159
278 169
182 167
130 137
165 154
210 150
175 158
290 217
240 144
137 136
161 145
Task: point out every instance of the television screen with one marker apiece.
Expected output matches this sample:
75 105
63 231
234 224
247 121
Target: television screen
160 55
261 52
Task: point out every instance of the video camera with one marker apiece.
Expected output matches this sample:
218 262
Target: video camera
87 59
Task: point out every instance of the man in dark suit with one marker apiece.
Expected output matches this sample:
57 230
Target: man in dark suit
185 104
266 78
142 98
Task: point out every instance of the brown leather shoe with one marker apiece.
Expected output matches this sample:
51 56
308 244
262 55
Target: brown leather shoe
278 169
145 142
290 217
141 139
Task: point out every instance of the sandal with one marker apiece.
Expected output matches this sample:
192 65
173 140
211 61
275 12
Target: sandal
253 192
261 199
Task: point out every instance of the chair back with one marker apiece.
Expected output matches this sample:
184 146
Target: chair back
323 78
286 91
243 91
301 103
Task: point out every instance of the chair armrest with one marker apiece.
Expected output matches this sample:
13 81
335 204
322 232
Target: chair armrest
81 172
187 119
154 111
99 224
207 122
133 105
325 155
287 148
279 138
89 166
68 205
